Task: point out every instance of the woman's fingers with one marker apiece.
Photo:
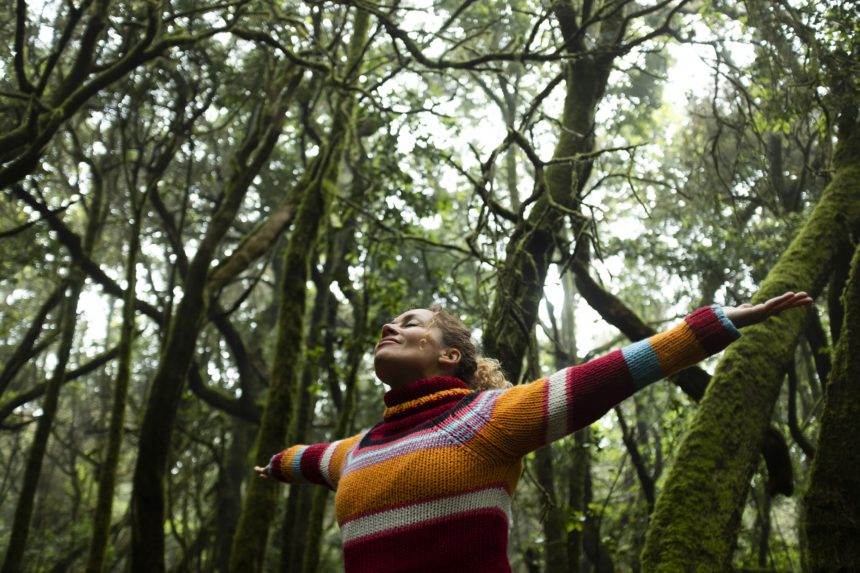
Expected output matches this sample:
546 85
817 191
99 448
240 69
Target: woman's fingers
786 301
797 299
746 314
778 302
261 472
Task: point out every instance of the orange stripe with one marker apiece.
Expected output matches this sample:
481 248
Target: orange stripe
519 422
338 458
677 348
287 462
415 476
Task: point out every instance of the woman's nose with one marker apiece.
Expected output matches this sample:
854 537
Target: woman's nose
388 330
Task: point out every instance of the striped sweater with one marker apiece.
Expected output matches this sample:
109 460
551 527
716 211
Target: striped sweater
429 487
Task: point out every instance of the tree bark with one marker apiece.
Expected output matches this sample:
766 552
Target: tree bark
157 426
553 522
14 561
249 543
832 503
697 515
521 278
67 319
310 561
299 500
107 471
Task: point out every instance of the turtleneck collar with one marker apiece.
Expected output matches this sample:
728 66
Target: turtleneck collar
420 395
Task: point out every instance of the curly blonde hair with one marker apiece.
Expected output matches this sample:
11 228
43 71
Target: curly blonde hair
479 372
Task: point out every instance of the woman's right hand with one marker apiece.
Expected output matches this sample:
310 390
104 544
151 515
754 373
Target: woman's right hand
261 472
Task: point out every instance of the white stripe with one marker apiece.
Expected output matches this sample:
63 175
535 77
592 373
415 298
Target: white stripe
402 517
326 458
556 423
429 438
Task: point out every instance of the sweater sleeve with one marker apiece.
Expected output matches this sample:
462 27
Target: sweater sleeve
523 418
319 464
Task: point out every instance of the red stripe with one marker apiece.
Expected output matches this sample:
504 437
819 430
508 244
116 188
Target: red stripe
499 485
310 463
394 428
372 447
709 331
594 387
423 387
275 464
476 543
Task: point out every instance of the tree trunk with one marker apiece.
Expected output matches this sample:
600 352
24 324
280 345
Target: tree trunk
26 499
832 503
147 503
299 501
592 544
580 466
107 470
229 490
249 543
697 515
310 561
763 521
527 258
67 319
555 541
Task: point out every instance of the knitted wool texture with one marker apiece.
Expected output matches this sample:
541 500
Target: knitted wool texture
428 489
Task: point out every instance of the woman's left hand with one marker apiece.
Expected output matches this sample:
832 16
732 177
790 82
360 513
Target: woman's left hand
747 314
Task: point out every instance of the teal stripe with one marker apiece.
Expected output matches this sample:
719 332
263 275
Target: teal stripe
724 320
297 460
642 363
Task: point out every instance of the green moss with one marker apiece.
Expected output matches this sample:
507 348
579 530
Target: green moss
250 541
831 526
697 515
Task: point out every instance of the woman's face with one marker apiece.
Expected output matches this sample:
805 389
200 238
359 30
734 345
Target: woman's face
408 350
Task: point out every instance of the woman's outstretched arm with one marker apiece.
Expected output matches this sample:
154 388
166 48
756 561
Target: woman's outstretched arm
521 419
319 464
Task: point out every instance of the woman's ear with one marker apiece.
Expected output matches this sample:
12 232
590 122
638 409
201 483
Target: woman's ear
450 357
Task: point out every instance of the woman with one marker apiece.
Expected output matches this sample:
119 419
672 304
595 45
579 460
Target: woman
429 487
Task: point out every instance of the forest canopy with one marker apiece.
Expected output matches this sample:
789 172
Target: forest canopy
211 208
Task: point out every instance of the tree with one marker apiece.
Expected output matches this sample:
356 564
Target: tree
832 502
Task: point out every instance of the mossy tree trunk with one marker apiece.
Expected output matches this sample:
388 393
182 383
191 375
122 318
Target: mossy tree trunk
147 504
580 467
67 319
306 553
251 539
832 503
580 463
229 491
299 500
697 515
14 560
341 245
107 470
521 278
553 515
310 561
